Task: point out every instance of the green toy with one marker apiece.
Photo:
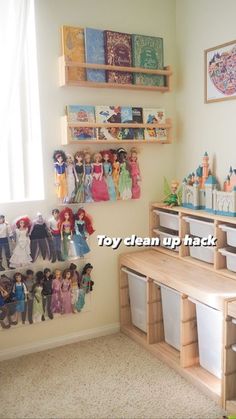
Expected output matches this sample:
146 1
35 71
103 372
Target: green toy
173 195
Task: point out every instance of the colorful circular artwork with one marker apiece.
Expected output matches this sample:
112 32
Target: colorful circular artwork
222 71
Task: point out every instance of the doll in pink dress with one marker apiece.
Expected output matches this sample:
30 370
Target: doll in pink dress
99 186
66 291
134 173
56 303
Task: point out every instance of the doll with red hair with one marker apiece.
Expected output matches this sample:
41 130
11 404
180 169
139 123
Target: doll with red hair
66 226
21 254
83 229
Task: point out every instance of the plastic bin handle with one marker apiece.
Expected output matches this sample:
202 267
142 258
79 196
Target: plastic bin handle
234 321
143 278
200 303
195 220
224 227
224 252
167 288
233 347
166 213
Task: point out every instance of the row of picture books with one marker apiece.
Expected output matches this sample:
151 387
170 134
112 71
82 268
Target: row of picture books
94 46
115 115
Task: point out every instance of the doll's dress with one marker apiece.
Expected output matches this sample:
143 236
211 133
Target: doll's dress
38 301
70 177
88 182
39 241
68 247
99 187
21 253
61 179
66 297
134 172
81 300
19 297
79 189
107 168
74 289
116 175
125 182
56 303
81 246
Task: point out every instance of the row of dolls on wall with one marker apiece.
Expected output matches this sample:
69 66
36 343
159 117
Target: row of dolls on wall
107 175
63 236
33 297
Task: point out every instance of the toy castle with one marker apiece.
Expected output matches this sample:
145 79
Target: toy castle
201 191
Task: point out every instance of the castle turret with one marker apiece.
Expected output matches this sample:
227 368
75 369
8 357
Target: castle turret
205 168
210 185
196 202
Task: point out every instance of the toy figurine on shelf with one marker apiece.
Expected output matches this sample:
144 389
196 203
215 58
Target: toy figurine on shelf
5 234
83 227
88 178
21 253
59 158
38 297
66 226
79 168
75 284
125 182
99 186
40 238
115 171
55 236
173 195
134 173
20 293
107 170
66 292
71 178
86 285
56 303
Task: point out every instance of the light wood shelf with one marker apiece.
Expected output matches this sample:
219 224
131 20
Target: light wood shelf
64 80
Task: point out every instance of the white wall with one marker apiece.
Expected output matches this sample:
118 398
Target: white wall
152 17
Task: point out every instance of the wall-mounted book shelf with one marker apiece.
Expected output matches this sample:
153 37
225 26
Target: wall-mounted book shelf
67 138
64 79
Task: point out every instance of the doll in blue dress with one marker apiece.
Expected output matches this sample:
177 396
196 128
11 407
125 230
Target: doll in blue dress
20 293
86 286
88 177
83 228
107 171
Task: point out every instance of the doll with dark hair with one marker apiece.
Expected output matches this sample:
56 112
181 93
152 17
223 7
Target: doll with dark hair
59 158
55 235
47 293
88 168
79 168
29 282
7 303
83 227
66 225
21 253
5 234
20 294
134 173
86 285
125 181
75 284
38 298
66 292
39 236
107 170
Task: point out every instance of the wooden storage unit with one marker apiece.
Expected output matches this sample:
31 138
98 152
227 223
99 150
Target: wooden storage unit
66 134
64 81
208 288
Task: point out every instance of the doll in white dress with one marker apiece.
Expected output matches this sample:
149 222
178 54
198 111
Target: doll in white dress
71 178
21 253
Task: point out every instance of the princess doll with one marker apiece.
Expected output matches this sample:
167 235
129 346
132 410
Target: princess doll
99 186
40 238
79 168
71 178
59 158
115 171
75 284
83 227
125 182
86 285
66 225
56 304
88 177
66 292
38 297
107 170
20 293
21 253
134 173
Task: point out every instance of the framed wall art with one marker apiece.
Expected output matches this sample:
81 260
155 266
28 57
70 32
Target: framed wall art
220 72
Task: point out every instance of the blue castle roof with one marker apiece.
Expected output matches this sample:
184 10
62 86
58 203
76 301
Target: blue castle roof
211 180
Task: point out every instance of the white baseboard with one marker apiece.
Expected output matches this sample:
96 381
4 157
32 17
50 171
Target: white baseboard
59 341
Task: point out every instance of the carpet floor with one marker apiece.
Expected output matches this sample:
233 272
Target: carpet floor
108 377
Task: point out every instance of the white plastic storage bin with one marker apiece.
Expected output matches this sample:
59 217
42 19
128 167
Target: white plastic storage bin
230 259
162 235
210 337
230 234
199 227
204 253
168 219
171 315
138 298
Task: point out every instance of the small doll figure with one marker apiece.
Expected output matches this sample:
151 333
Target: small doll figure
66 292
83 227
71 178
47 293
66 225
21 253
20 293
99 186
79 168
40 238
3 309
55 235
107 170
5 234
29 283
134 173
115 172
125 182
56 304
88 168
59 158
86 285
75 284
173 196
38 297
7 303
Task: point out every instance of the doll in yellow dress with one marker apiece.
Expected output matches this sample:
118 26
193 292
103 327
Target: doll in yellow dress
59 158
115 172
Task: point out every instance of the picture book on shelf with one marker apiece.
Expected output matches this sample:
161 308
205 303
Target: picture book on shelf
109 133
147 52
95 54
154 116
81 113
118 51
105 114
131 115
73 50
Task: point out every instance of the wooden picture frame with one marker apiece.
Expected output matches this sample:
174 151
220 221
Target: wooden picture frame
220 72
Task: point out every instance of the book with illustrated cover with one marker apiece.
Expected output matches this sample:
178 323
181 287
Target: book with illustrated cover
126 114
81 113
73 50
132 115
106 114
118 52
154 116
95 54
109 134
137 115
147 52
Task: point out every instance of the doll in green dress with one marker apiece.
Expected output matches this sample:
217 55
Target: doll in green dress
173 195
125 181
86 286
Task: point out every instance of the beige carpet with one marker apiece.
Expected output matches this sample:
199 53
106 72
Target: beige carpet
110 377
